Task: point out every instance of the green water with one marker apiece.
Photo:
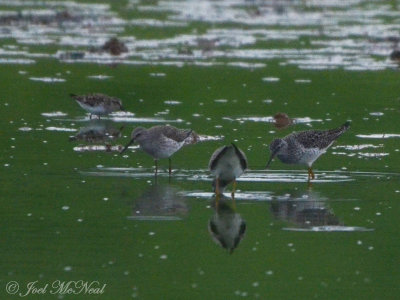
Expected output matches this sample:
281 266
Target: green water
70 215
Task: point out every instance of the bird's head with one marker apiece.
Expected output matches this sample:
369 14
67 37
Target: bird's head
136 134
275 147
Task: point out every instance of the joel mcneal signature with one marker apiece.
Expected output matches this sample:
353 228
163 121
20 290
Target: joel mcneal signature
73 287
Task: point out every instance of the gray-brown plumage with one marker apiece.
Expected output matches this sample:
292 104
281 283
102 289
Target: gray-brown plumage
305 147
160 141
98 104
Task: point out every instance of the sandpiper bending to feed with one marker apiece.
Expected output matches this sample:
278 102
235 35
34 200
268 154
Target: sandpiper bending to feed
98 104
303 148
227 163
159 141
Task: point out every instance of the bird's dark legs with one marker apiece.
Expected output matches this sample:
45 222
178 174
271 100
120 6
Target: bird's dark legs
217 186
155 163
90 117
169 169
155 178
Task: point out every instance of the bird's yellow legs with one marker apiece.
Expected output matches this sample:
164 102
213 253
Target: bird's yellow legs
233 188
233 193
310 174
217 194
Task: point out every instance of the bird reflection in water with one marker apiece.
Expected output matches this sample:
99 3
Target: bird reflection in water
161 202
98 132
307 210
226 226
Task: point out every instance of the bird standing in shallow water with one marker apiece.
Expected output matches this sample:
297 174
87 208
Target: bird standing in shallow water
303 148
227 163
159 141
98 104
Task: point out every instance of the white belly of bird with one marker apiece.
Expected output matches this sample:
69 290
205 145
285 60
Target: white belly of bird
162 148
228 167
310 155
96 110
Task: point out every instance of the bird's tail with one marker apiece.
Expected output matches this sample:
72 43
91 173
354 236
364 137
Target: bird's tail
346 125
342 129
72 95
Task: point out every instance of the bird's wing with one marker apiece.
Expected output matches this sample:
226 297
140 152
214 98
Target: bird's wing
178 135
91 99
216 156
242 156
319 138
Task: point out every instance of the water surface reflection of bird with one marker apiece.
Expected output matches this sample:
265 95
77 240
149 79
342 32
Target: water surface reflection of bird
226 226
161 202
160 141
304 209
305 147
97 131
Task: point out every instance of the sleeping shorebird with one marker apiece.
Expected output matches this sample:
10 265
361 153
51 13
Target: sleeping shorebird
159 141
227 163
303 148
98 104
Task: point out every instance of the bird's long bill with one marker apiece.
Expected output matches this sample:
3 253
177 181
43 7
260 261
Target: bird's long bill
126 147
270 159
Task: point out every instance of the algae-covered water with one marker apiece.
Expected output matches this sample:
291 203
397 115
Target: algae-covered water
75 213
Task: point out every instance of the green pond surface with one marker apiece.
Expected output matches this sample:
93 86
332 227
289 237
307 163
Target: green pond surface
75 211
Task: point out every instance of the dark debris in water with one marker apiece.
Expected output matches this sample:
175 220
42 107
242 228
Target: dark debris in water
282 120
395 55
114 46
